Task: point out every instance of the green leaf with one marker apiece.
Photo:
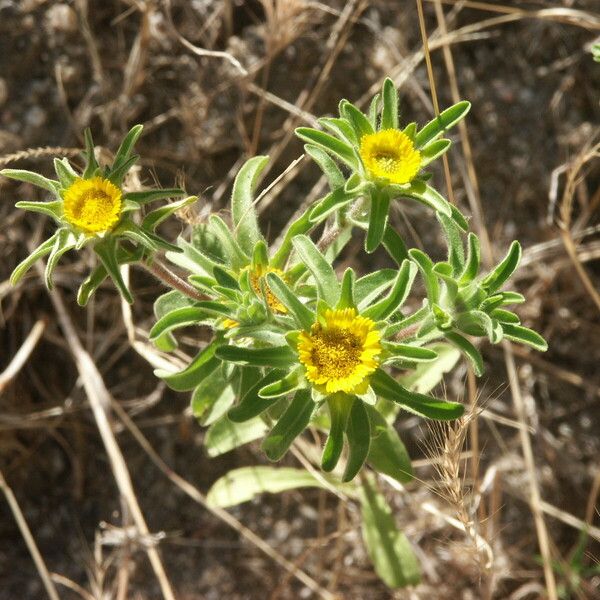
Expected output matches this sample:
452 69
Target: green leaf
282 387
425 376
155 217
243 212
65 172
244 484
496 279
180 317
505 316
99 274
124 151
334 176
321 270
117 175
201 367
387 453
430 197
360 123
39 252
473 260
456 254
289 426
337 148
434 150
251 405
378 218
224 435
303 316
446 119
371 286
224 279
512 298
52 209
394 245
468 349
32 178
107 251
147 196
409 353
358 432
333 201
341 128
398 294
419 404
389 549
63 243
374 110
524 335
91 164
212 398
236 255
389 114
278 357
339 405
347 290
426 267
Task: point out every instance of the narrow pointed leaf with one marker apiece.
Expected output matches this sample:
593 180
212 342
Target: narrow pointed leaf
39 252
282 387
32 178
524 335
52 209
389 114
473 262
338 405
337 148
251 405
303 316
335 177
409 353
277 357
91 165
426 267
201 367
446 119
360 123
62 244
147 196
225 435
394 245
378 218
175 319
496 279
322 272
418 404
389 549
468 349
432 198
332 202
398 294
106 250
65 172
129 141
347 290
289 426
358 433
155 217
243 212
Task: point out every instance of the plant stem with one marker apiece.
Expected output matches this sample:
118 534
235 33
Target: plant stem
171 279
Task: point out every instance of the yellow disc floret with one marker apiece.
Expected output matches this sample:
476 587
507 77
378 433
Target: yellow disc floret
256 277
340 352
390 154
92 205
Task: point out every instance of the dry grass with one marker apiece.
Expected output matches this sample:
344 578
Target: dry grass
89 437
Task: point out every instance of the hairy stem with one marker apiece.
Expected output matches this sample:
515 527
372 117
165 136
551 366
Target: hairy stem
171 279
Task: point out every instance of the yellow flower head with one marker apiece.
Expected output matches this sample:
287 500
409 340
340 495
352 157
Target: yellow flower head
256 276
229 323
340 353
92 205
390 154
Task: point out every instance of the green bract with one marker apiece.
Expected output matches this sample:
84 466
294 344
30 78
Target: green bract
91 208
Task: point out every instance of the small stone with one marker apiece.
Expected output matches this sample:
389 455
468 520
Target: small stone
61 18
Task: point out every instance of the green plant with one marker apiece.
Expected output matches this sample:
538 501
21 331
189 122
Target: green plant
295 345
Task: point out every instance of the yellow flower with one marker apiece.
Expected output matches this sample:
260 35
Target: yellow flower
256 276
390 154
340 353
92 205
